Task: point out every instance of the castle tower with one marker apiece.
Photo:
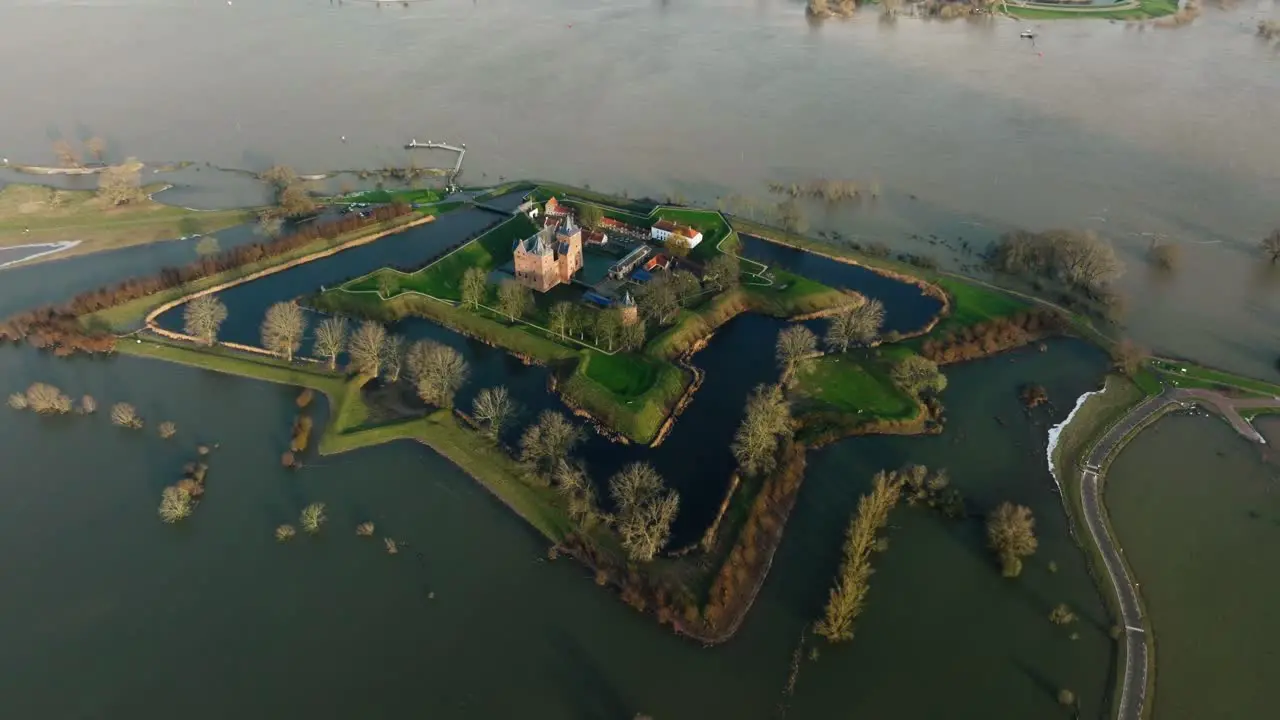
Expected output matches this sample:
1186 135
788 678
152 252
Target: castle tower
627 308
568 249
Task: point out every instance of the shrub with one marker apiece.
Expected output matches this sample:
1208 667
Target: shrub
364 529
175 504
285 532
88 405
167 429
18 401
392 546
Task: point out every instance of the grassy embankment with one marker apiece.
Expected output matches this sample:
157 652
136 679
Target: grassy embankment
418 196
1189 375
1146 9
129 316
349 430
39 214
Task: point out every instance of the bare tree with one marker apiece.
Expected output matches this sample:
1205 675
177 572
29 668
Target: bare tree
88 405
120 184
1271 246
474 286
331 339
47 399
175 504
313 517
437 370
795 344
280 176
125 415
547 443
295 201
646 509
392 357
1127 357
917 374
203 316
558 318
685 284
269 226
167 429
766 422
67 155
493 407
282 329
605 329
658 300
791 215
514 299
1165 257
1011 534
365 348
207 245
631 336
855 325
723 271
96 146
1085 260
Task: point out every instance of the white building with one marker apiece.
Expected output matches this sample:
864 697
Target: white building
664 229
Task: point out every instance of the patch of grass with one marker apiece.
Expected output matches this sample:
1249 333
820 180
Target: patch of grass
632 394
855 385
417 196
972 304
1189 375
710 223
443 278
39 214
1146 9
792 294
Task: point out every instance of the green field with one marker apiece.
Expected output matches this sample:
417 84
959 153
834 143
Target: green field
710 223
854 385
442 278
381 197
633 394
972 304
1146 9
1196 509
1189 375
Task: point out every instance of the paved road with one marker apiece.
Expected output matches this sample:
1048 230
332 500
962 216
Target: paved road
1137 660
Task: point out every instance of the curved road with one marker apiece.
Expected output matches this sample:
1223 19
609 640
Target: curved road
1137 661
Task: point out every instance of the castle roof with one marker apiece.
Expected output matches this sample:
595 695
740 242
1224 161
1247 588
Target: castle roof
677 228
537 244
627 301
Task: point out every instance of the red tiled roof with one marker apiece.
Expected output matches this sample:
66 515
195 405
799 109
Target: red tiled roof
669 226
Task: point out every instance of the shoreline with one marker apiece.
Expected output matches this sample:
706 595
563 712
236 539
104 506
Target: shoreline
54 248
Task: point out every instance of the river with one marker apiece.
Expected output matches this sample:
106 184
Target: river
968 130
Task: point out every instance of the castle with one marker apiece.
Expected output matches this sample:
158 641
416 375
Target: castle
550 256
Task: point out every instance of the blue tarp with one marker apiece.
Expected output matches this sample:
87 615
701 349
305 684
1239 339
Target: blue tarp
641 276
597 298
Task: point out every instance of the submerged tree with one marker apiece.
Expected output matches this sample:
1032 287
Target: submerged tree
67 155
1271 246
120 184
282 329
203 316
88 405
207 245
493 407
646 509
848 597
125 415
18 401
1011 534
766 423
285 532
365 348
1127 357
47 399
438 372
855 325
175 504
167 429
313 517
331 339
96 146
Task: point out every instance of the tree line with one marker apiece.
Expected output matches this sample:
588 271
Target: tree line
58 326
993 336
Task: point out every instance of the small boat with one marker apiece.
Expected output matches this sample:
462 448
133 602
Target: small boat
1028 34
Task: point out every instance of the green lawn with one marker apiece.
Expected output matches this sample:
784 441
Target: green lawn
710 223
418 196
632 394
442 279
855 385
972 304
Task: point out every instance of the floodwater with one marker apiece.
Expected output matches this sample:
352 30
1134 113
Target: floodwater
968 130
